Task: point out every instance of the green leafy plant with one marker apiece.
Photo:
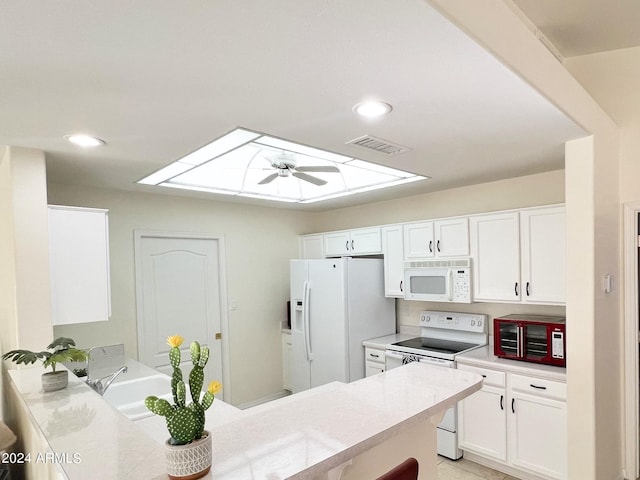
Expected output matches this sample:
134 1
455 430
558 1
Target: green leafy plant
185 422
62 350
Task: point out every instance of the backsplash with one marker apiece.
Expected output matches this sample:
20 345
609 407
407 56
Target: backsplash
408 312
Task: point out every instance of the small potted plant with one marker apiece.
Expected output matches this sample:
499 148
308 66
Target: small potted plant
62 350
188 450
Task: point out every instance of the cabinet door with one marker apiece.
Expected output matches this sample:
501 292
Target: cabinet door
482 423
337 244
418 240
79 260
366 241
312 246
543 246
538 435
452 237
392 249
495 249
372 368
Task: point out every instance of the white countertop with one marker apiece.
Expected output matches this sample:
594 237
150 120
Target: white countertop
484 357
297 437
382 342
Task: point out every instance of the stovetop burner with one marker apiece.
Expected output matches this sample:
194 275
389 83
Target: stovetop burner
436 345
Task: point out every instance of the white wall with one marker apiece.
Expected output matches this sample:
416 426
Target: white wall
25 298
541 189
612 79
259 243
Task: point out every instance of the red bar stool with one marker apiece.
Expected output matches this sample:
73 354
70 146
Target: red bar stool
407 470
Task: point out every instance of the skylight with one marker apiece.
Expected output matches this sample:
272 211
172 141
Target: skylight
251 164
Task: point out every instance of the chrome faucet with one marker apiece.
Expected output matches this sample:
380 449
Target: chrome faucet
100 386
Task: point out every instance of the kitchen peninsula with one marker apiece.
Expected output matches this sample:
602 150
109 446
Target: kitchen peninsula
348 431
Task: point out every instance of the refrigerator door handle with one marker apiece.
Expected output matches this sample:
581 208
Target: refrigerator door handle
306 320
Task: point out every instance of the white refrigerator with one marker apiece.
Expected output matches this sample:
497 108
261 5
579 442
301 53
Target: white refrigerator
335 305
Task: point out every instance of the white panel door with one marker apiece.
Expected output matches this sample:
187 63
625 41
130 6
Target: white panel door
178 293
544 243
495 248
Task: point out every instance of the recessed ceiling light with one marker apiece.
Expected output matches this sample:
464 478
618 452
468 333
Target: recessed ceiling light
82 140
372 109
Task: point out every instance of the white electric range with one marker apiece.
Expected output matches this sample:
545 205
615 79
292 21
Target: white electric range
444 335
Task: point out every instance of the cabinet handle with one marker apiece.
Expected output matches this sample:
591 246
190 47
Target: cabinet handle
347 245
352 244
431 246
513 405
516 289
438 245
401 286
378 356
527 289
501 402
537 386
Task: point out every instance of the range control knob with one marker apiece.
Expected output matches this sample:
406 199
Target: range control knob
479 323
427 318
473 322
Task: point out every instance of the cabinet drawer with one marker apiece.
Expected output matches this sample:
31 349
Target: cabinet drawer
539 386
373 355
490 377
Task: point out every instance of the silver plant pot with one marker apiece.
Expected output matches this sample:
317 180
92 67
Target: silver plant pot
52 381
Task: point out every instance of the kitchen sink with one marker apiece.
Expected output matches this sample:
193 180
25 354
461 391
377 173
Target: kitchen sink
128 396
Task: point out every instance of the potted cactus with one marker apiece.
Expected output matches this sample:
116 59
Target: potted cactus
188 450
62 350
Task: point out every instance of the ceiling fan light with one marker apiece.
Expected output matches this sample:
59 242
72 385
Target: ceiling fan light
372 109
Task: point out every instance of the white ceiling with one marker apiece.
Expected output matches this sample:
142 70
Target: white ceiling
156 79
580 27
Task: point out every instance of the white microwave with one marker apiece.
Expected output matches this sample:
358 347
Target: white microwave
438 280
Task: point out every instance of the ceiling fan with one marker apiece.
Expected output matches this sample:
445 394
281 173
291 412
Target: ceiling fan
285 163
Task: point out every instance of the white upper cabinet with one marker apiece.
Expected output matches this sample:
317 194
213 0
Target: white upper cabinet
361 241
495 248
418 240
439 238
79 258
543 248
452 237
520 256
312 246
392 249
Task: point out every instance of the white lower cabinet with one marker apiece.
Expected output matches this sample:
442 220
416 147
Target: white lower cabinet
518 421
373 361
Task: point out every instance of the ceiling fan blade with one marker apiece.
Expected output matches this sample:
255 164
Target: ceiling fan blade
268 179
309 178
318 169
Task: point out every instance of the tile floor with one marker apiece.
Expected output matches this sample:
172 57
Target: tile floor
467 470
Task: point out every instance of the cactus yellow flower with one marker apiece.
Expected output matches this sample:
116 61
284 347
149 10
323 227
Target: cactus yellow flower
214 387
174 340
